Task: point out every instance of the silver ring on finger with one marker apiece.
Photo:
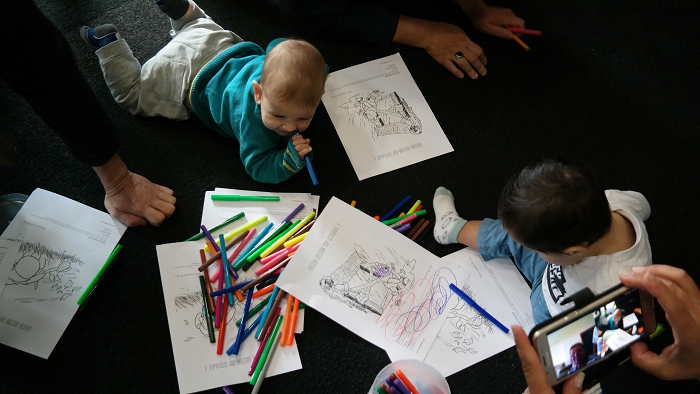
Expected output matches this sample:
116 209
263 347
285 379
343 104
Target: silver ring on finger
459 55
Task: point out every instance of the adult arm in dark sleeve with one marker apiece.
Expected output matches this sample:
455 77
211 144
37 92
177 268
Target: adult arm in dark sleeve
39 65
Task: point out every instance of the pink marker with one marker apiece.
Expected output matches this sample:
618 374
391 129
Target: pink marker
525 31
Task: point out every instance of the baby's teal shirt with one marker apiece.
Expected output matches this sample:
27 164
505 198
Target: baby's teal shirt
222 97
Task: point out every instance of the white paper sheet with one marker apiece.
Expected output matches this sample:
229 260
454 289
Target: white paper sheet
467 337
372 280
197 364
63 245
381 117
619 339
216 212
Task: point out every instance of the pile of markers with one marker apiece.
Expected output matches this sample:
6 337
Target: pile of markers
397 383
273 248
404 223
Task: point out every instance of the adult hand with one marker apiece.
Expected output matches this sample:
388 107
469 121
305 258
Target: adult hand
679 296
534 371
442 41
495 20
133 199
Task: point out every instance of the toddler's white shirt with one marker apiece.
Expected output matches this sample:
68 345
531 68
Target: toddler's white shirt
599 273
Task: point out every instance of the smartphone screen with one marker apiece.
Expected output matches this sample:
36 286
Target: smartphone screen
598 331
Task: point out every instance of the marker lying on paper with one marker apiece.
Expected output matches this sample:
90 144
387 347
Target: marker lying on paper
478 308
312 173
236 197
525 31
93 283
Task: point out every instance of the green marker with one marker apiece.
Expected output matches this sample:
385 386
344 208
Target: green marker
236 197
394 220
256 253
96 279
218 226
266 351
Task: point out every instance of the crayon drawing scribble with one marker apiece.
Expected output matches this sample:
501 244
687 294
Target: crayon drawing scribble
410 312
382 114
41 266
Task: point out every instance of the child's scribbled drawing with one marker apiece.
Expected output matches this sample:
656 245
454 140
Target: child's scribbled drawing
386 286
467 326
382 114
41 266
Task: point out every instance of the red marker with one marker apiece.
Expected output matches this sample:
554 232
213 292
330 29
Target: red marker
525 31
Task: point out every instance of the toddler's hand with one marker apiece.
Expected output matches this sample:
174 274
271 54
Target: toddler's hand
301 145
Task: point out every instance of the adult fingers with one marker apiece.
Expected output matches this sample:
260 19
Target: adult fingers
154 216
163 206
129 219
496 30
645 359
574 385
532 368
450 66
168 198
676 275
675 302
165 190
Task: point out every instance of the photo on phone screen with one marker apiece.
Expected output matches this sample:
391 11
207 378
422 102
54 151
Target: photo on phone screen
590 334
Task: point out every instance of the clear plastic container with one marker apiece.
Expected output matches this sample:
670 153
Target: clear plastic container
424 377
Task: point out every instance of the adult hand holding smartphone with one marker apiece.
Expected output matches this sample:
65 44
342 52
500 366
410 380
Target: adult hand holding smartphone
679 297
587 335
677 294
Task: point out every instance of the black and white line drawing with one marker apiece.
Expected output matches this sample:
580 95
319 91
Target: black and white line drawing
186 301
369 284
467 326
382 114
51 273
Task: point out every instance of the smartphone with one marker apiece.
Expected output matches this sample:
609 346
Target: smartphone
586 336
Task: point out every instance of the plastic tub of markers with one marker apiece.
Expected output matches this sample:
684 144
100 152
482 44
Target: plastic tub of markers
425 378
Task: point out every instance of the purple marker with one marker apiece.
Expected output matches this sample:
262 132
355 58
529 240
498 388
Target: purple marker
294 213
402 229
209 237
402 387
394 390
227 390
389 381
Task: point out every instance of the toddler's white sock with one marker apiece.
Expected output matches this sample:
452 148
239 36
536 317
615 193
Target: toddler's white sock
447 221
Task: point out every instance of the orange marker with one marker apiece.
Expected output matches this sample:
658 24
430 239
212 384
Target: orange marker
263 291
293 324
352 204
407 382
522 44
287 320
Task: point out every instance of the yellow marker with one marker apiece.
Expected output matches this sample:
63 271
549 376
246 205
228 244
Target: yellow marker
352 204
287 235
413 208
522 44
239 230
294 241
